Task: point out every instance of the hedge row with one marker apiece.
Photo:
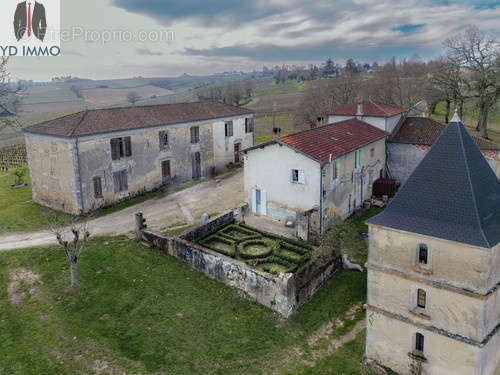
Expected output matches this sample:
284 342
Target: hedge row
265 254
207 240
291 241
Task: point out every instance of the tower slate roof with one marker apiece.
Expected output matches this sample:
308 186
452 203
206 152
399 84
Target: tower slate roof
453 194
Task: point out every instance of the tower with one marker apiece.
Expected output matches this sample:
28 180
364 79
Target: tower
434 266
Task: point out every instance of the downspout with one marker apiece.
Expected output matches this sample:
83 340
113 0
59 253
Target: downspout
79 176
362 173
321 200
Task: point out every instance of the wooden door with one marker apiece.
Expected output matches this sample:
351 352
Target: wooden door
165 171
237 149
196 165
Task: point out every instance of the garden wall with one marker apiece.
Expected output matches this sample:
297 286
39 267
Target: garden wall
281 293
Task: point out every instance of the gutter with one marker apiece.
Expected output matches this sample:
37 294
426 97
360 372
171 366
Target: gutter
79 176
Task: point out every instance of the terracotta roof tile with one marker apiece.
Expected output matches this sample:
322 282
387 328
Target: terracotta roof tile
425 131
127 118
335 139
370 108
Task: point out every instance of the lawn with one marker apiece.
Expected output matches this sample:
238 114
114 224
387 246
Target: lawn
139 311
18 212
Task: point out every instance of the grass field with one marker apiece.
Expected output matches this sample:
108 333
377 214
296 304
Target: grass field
139 311
471 117
18 212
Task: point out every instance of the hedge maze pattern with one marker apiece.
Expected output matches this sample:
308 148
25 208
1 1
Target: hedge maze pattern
12 157
259 249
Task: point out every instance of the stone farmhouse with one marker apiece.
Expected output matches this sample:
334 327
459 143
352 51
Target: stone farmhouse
434 265
94 158
413 138
316 175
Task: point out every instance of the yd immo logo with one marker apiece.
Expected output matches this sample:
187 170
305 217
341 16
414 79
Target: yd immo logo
30 28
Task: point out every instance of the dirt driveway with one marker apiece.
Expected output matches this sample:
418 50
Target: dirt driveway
181 208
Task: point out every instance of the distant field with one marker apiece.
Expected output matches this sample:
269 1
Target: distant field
110 96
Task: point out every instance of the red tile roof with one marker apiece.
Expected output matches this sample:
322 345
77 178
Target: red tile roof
127 118
425 131
370 108
335 139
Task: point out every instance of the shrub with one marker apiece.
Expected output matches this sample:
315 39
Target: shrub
207 242
245 255
19 174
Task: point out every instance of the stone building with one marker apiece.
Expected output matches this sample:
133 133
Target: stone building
98 157
314 176
434 266
412 139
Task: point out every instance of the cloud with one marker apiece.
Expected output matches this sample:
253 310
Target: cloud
148 52
272 53
206 12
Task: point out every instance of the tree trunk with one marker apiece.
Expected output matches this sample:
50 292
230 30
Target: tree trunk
461 109
74 280
447 114
483 118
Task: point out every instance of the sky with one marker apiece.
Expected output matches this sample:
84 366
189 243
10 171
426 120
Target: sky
107 39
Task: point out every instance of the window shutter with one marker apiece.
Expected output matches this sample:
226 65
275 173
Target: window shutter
128 146
252 124
115 149
254 201
116 182
161 136
97 187
302 177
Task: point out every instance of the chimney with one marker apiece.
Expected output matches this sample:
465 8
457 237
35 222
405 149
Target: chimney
360 108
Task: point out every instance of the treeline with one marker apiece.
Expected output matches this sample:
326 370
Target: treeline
468 71
233 92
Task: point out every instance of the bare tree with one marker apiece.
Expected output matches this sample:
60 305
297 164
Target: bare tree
10 98
133 97
315 103
476 55
72 240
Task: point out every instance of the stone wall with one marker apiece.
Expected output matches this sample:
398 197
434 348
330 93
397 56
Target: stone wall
52 164
282 294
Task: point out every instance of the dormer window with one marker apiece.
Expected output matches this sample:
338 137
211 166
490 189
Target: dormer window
423 254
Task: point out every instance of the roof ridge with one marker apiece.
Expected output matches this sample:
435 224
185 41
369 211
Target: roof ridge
469 178
330 125
379 107
157 105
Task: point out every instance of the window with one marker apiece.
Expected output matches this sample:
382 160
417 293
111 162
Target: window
229 128
419 342
120 181
335 169
357 159
195 134
298 176
97 187
372 152
421 298
121 147
163 136
423 253
249 123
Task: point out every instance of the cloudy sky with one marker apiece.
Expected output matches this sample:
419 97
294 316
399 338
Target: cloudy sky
126 38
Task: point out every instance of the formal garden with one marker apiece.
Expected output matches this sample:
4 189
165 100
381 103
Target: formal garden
259 249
